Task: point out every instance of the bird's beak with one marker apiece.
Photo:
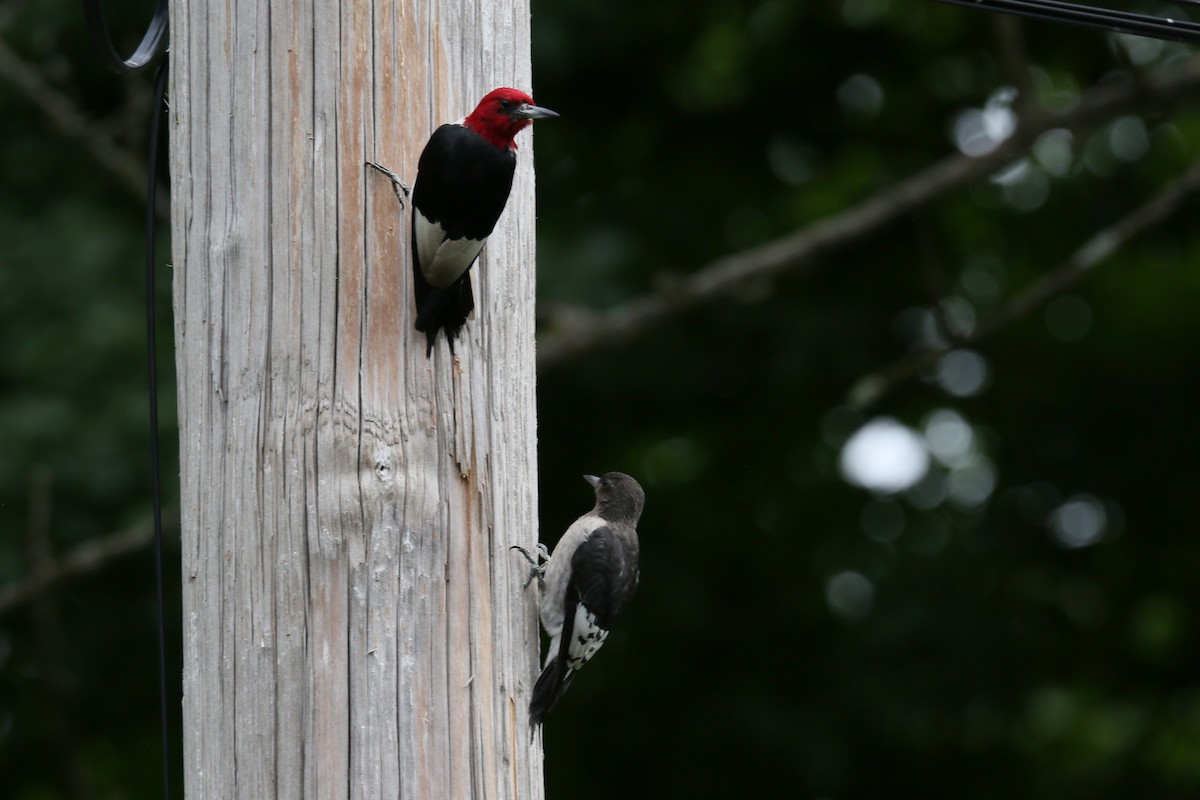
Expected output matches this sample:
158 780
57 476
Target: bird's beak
527 111
592 479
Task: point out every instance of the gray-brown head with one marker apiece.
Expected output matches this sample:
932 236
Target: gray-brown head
619 498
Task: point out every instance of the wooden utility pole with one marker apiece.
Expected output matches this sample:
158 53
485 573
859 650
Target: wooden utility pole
354 625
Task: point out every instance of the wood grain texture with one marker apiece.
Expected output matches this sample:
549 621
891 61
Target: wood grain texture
354 625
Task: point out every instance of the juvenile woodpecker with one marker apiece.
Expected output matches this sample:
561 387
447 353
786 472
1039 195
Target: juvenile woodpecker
463 179
588 582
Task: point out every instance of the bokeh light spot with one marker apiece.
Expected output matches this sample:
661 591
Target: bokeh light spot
1128 139
979 131
1053 151
884 456
948 436
850 596
982 278
860 95
929 492
1079 522
792 162
962 373
958 315
972 482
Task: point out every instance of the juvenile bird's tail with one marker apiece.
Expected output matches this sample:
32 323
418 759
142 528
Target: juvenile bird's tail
550 686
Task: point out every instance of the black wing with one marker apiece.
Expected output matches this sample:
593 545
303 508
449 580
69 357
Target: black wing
463 182
604 576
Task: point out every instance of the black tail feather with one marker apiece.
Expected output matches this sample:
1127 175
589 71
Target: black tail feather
550 686
443 309
438 309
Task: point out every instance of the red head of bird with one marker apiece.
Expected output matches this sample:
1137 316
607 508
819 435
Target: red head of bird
502 114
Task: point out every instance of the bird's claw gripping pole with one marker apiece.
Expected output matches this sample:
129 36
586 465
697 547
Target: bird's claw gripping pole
537 569
398 185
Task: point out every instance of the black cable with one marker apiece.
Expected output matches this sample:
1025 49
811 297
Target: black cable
153 42
160 99
1088 16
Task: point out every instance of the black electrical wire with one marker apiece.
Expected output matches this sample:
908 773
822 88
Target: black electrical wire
1109 19
160 98
153 42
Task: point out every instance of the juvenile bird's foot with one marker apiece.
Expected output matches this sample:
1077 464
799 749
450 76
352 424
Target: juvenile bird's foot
398 185
537 567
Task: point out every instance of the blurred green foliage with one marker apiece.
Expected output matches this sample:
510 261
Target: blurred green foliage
1020 623
976 655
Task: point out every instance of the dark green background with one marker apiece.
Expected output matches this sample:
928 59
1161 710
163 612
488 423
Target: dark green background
991 661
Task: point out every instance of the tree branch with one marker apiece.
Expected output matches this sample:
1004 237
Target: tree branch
56 678
83 560
66 116
572 331
1010 45
869 389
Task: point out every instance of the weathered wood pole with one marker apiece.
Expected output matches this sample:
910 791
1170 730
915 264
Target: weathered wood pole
353 621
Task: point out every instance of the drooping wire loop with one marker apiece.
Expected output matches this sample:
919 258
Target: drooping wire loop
153 42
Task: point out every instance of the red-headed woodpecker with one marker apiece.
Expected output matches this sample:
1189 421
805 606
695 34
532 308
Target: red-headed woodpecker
463 180
586 584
